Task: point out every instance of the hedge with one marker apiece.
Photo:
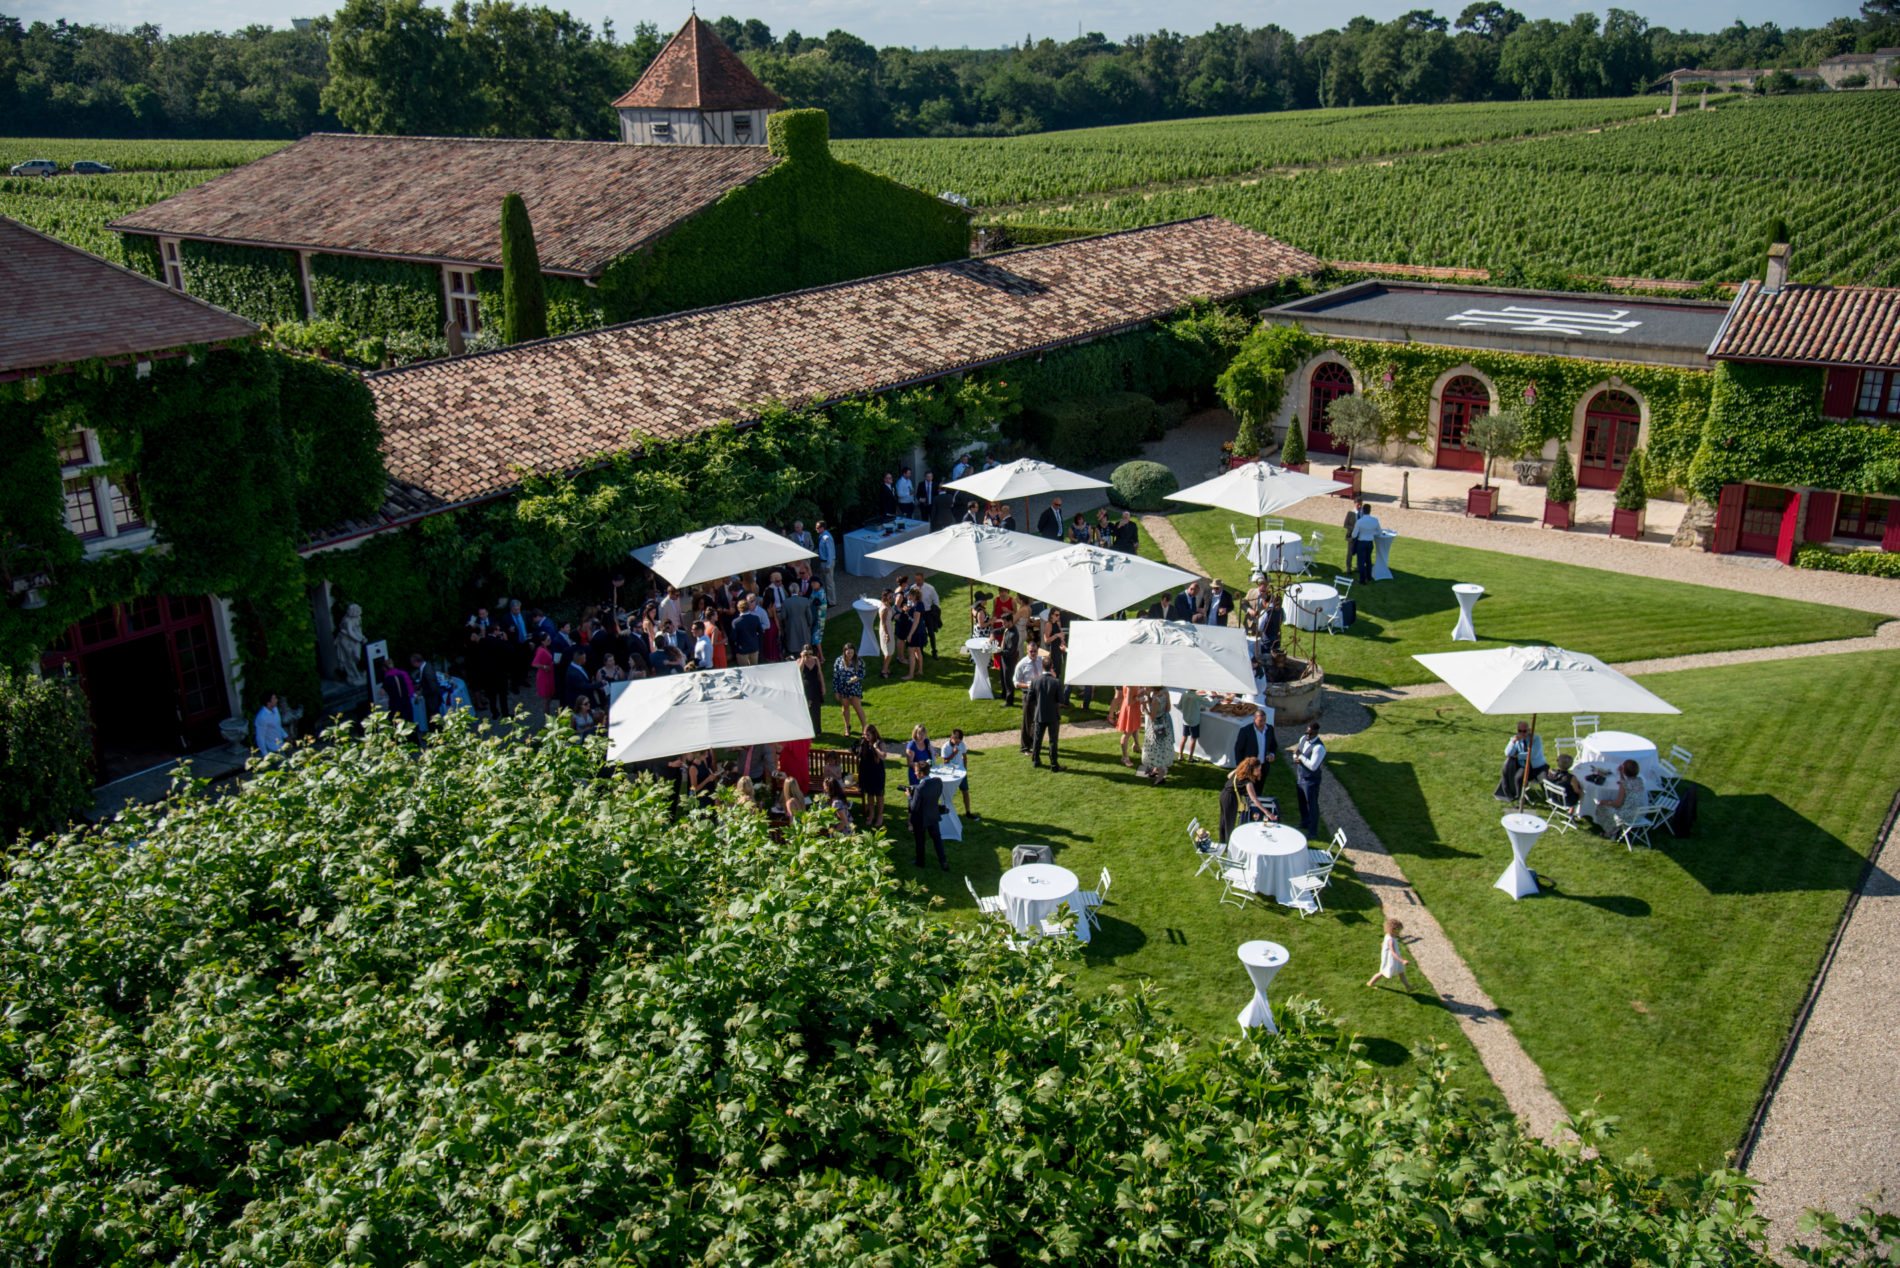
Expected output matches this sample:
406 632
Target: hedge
378 297
1090 429
1866 563
1142 486
335 443
263 285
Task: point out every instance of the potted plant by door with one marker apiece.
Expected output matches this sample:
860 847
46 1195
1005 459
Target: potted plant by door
1560 495
1251 388
1630 517
1353 421
1498 434
1293 452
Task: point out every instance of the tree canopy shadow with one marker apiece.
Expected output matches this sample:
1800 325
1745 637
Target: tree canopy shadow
1394 785
1754 843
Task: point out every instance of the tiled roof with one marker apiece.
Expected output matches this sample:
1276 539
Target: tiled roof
402 503
439 198
59 305
1819 325
460 429
696 71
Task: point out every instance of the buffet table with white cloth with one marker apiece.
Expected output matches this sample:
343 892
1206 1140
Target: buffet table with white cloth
1218 730
1310 605
1271 855
878 536
1032 893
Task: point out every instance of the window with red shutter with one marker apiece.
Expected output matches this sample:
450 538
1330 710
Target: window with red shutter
1837 399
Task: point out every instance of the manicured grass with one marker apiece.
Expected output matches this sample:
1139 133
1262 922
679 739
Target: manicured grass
1615 617
1162 922
1659 985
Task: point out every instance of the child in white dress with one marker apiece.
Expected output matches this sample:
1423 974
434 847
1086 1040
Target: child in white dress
1391 963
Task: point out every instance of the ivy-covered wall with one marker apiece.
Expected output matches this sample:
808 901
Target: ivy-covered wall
141 254
573 305
1765 425
262 285
378 298
810 221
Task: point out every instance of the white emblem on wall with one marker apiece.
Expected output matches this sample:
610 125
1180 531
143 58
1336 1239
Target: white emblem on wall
1548 321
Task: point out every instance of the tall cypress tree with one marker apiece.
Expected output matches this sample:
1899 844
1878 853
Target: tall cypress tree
524 304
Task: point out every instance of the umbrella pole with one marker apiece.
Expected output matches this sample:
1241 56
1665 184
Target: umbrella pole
1524 784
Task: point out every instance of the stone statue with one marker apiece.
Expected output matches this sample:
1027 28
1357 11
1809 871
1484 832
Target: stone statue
452 334
349 646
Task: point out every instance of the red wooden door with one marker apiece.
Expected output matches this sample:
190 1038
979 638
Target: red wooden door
1464 399
1790 530
1764 511
1821 508
1330 382
1728 519
1611 423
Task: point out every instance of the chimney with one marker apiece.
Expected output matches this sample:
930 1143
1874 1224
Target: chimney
1777 277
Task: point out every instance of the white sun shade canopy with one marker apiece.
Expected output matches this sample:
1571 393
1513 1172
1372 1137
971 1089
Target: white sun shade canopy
1089 580
1257 489
967 550
713 708
1159 654
719 551
1023 478
1525 680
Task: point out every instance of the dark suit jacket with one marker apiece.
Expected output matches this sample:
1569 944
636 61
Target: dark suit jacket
926 803
1049 524
1127 537
1244 745
1184 608
1046 691
887 499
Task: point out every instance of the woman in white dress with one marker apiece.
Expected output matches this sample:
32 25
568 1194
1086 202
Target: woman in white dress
887 630
1157 736
1391 963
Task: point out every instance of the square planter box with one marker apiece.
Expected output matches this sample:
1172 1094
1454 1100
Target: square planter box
1301 467
1559 514
1348 475
1628 524
1481 501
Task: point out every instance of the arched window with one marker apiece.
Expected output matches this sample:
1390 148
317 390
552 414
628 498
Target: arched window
1611 422
1463 399
1331 381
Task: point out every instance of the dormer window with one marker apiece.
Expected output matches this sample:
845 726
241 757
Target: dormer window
742 125
662 130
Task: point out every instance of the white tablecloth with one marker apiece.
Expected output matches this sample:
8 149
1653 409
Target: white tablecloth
950 825
1275 549
1272 855
1032 892
1310 605
879 536
1382 555
1262 960
867 610
1524 829
1216 744
1613 748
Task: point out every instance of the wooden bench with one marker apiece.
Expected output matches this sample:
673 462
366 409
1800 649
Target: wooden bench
847 773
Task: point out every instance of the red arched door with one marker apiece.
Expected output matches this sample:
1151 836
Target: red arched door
1331 381
1610 423
1464 398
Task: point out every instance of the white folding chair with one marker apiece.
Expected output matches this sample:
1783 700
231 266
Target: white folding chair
1680 757
1337 621
1582 724
1642 821
1567 744
1557 811
1093 898
1241 544
1305 889
1672 768
1343 585
1272 521
1234 885
1215 858
1316 539
991 906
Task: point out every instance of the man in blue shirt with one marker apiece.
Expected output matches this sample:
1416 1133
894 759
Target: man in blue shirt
827 554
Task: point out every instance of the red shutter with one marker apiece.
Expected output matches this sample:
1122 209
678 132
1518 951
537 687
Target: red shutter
1890 540
1821 508
1790 528
1728 519
1842 393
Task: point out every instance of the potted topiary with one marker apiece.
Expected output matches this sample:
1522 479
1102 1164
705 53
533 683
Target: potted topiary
1629 519
1247 442
1293 453
1498 434
1560 495
1353 421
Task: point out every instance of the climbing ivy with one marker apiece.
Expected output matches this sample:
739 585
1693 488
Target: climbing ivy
1765 425
262 285
573 305
141 254
378 297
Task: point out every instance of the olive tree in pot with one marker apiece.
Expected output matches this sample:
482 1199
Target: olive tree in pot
1498 434
1560 495
1354 421
1293 452
1629 519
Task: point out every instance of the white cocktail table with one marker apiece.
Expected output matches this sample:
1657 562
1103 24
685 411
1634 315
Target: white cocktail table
952 778
1310 605
1467 595
1613 748
1034 890
979 650
1523 829
1382 555
1271 855
1275 550
1261 959
859 545
868 611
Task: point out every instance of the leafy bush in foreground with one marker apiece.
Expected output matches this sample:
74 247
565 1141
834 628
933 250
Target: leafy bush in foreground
477 1006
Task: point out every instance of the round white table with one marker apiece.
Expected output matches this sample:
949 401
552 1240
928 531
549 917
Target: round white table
1310 605
1271 855
1034 890
1261 959
1523 829
952 778
1275 550
868 646
1613 748
1382 555
979 649
1467 595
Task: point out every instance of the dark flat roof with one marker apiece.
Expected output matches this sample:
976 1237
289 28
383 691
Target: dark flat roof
1557 323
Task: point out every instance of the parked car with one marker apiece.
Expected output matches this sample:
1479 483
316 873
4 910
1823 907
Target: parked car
34 167
90 167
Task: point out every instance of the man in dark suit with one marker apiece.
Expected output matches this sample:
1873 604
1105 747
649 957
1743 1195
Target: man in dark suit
1010 650
1050 523
1256 741
1187 604
926 810
1127 536
887 497
927 493
1045 695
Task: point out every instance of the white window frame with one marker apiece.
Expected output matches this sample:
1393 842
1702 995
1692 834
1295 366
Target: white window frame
92 468
471 298
171 260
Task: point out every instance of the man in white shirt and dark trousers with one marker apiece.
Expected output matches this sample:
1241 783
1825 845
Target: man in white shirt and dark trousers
1309 761
1365 532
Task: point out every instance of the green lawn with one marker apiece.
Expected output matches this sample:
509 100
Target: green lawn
1615 617
1162 922
1659 985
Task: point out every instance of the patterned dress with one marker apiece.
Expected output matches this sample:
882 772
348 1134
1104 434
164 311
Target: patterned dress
1157 738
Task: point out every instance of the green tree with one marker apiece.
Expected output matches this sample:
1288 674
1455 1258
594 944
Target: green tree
524 301
1355 420
395 70
1632 491
1563 477
45 754
1294 451
1497 434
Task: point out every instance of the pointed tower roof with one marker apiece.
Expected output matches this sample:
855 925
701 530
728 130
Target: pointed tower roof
696 71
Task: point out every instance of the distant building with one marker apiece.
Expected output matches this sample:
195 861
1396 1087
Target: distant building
1735 80
696 92
1881 68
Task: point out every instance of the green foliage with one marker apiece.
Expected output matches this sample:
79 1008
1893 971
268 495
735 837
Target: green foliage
524 305
572 305
45 754
252 282
1090 429
1632 494
1004 237
1563 477
331 339
378 297
1497 433
1355 420
1254 382
809 221
415 585
416 1006
1866 563
335 446
1142 486
1293 452
140 254
1764 424
1179 357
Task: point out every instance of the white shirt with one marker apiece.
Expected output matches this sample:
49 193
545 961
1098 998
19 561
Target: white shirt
1310 753
703 651
904 490
955 754
1366 529
1028 669
269 730
929 594
670 610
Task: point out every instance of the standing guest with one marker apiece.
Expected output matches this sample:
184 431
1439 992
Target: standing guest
703 645
583 720
887 497
501 661
575 685
1126 709
959 500
820 606
871 775
906 495
1055 639
1352 518
1009 653
1272 620
1391 963
544 684
267 728
954 752
1511 782
1004 609
840 804
799 535
1187 604
847 683
520 637
926 816
769 606
827 553
1127 535
796 616
1240 800
428 682
1220 604
399 693
1157 741
811 675
917 755
1028 669
1191 702
933 610
1365 534
1309 761
1044 697
700 773
1050 523
887 630
608 674
476 664
927 497
919 633
748 633
1257 741
670 607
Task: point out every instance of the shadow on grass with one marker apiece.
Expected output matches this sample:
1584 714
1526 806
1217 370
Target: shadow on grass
1755 844
1395 787
1616 904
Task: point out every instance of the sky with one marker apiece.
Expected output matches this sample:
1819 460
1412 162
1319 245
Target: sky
952 23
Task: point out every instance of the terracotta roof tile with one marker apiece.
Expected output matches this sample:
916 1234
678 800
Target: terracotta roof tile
696 71
59 304
461 429
1821 325
439 198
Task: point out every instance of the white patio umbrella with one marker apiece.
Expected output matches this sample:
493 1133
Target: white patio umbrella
1159 653
1534 680
719 551
1257 489
967 550
1024 478
1089 580
713 708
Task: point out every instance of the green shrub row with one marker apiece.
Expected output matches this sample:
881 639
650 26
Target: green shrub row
1090 429
1866 563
